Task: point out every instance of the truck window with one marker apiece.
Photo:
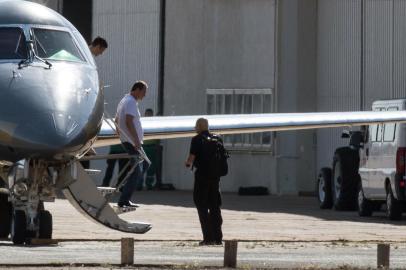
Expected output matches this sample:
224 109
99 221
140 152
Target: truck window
390 129
379 133
372 132
380 128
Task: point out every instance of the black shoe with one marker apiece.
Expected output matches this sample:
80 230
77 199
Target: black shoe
205 243
218 243
128 204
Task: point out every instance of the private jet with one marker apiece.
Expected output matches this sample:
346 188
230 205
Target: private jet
51 114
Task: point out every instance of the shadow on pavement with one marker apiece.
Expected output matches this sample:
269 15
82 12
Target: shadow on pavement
298 205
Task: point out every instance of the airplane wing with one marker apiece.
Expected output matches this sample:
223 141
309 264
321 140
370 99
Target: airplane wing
183 126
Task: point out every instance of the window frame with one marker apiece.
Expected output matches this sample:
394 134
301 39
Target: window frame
378 127
242 142
65 30
392 108
19 27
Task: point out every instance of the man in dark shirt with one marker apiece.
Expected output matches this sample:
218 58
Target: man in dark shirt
206 193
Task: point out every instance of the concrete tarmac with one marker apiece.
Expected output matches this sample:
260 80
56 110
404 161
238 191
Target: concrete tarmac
273 232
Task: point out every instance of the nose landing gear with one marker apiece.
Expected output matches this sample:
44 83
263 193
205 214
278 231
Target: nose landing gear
21 231
5 216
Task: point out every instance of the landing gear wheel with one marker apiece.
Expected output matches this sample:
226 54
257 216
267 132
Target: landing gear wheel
324 189
5 216
345 178
45 224
365 206
393 206
18 227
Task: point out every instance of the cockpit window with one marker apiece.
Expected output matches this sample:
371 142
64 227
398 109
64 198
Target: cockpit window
55 45
12 43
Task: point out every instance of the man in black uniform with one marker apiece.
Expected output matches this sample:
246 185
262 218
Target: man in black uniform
206 193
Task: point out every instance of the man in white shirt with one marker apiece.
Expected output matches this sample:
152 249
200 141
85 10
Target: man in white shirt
131 136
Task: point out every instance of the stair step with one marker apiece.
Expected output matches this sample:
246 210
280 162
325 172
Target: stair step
106 190
92 171
123 210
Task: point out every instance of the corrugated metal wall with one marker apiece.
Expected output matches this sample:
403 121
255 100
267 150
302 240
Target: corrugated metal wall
378 50
339 59
217 44
339 67
131 27
399 49
385 50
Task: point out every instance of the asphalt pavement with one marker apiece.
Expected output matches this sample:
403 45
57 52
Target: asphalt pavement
273 232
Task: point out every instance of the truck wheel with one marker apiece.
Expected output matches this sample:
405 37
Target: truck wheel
365 206
323 189
393 206
345 178
5 216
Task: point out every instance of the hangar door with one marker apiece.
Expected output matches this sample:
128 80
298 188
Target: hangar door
131 28
338 68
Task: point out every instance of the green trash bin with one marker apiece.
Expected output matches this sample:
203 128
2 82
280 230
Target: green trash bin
151 148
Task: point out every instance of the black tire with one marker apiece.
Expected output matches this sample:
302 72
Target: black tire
5 216
393 206
45 224
365 206
345 179
18 227
323 189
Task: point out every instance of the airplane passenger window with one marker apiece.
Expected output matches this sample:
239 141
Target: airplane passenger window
12 43
55 45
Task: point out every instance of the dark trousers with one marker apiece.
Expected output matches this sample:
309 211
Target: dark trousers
111 163
207 198
132 176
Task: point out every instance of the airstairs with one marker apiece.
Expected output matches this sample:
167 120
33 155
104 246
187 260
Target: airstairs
92 202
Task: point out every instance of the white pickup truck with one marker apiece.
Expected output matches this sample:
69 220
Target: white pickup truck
370 171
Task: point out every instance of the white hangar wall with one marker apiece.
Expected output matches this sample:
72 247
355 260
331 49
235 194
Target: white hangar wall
131 28
338 68
296 90
220 54
360 58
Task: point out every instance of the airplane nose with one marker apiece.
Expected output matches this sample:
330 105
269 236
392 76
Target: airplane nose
52 132
65 125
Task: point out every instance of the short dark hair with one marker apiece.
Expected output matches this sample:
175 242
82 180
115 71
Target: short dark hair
149 110
99 41
139 85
